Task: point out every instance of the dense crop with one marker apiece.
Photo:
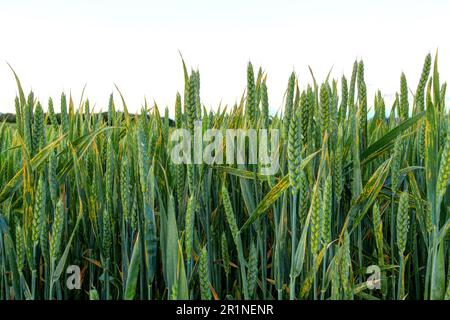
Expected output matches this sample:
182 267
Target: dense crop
359 208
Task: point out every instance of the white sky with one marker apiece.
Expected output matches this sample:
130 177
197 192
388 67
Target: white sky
63 45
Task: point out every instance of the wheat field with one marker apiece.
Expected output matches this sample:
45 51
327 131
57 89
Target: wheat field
93 207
